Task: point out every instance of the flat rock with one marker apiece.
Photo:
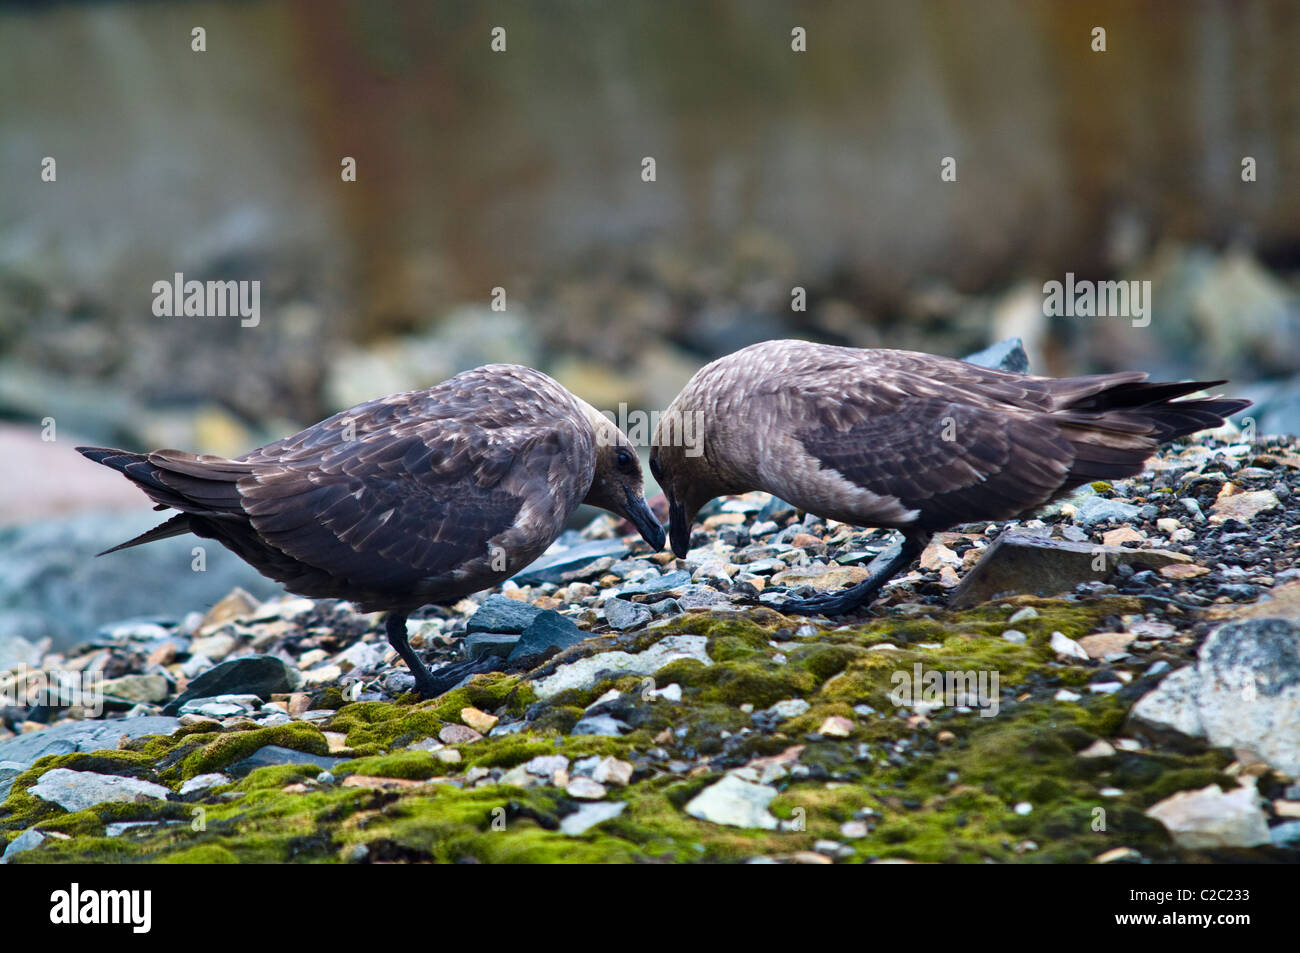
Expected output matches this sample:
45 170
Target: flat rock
622 615
1171 707
548 631
8 771
150 689
480 721
1211 818
69 736
260 675
459 735
1183 571
788 708
1018 562
222 706
604 725
27 840
1101 644
735 803
78 790
1243 506
583 672
275 754
501 614
585 789
1066 647
1098 509
671 580
477 645
236 604
610 770
1282 602
821 577
203 782
589 815
1122 535
558 567
545 765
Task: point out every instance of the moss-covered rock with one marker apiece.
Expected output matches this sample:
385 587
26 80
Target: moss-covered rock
888 782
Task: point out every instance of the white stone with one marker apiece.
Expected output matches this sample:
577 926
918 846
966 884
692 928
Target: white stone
735 803
582 673
78 790
1211 818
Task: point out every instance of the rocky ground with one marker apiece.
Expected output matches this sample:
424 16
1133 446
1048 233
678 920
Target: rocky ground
1145 637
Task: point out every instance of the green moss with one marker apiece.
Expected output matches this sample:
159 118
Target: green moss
823 661
373 727
412 765
274 776
225 749
203 854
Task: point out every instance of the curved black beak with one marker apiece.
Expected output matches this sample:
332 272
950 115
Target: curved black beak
679 530
643 518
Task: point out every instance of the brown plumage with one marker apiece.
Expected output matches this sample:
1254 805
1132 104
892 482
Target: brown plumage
407 500
907 440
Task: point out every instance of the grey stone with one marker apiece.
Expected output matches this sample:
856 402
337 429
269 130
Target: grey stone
1098 509
699 597
606 725
8 771
589 815
78 790
735 803
548 631
667 608
203 782
672 580
222 706
1286 834
545 765
559 566
790 708
396 683
27 840
1018 562
138 688
260 675
622 615
501 614
121 827
1243 693
362 657
476 645
69 736
583 672
274 754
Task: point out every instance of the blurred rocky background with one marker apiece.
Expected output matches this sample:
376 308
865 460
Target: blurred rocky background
522 170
